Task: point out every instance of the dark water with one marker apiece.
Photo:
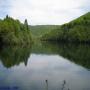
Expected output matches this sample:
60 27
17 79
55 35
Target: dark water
45 66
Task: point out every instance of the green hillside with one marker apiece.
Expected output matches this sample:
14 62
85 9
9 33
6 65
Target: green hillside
14 32
39 30
77 30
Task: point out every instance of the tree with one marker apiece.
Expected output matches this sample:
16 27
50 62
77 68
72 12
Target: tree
26 24
7 17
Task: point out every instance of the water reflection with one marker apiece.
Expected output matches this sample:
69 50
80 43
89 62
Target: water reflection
77 53
63 86
45 66
11 56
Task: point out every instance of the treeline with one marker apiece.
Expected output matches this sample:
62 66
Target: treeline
76 31
39 30
14 32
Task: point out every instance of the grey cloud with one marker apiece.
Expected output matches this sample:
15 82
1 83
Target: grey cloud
44 11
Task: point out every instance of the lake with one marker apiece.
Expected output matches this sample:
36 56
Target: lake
45 66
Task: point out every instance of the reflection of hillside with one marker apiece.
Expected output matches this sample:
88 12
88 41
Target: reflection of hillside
11 56
44 48
79 53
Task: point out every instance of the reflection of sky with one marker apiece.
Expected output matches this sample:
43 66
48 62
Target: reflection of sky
44 11
41 67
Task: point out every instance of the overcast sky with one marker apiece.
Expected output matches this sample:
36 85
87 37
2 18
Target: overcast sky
44 11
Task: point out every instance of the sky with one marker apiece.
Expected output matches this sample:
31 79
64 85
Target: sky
42 12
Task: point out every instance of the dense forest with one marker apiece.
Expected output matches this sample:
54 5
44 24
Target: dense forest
77 30
14 32
39 30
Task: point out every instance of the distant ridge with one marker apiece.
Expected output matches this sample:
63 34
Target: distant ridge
77 30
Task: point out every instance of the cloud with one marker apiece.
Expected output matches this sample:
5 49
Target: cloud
48 11
5 6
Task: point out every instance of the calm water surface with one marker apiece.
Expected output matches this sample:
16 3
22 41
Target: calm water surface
45 66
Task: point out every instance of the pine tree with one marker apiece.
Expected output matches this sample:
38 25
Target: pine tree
26 24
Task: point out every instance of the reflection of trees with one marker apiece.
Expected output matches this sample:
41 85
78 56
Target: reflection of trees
78 53
11 56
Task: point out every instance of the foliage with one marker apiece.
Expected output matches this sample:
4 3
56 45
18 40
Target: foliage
76 31
14 32
39 30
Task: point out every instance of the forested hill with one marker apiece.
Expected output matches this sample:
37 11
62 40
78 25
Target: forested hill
77 30
14 32
39 30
